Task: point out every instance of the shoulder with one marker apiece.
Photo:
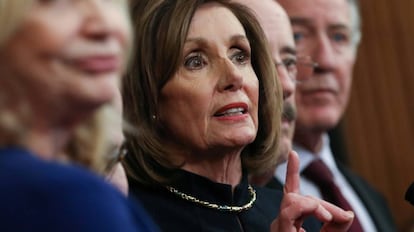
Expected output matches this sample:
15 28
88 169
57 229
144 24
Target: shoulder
268 200
361 186
51 196
374 201
21 169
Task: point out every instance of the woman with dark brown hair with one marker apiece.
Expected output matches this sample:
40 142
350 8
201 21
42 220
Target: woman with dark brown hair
201 90
60 64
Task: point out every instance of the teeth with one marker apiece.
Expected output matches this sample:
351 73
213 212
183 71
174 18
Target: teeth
233 111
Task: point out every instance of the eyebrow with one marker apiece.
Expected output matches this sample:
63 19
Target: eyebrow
236 38
288 50
300 21
307 23
202 41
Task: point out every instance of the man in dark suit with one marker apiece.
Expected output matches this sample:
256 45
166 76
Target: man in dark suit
329 32
291 67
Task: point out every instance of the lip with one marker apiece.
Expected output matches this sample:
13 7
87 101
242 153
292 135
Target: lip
286 120
286 125
321 91
236 105
97 64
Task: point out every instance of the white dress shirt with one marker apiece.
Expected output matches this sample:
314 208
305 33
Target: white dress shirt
309 188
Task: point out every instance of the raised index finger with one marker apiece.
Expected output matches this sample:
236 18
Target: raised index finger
292 174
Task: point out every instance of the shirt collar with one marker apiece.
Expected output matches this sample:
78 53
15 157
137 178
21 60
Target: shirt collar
306 157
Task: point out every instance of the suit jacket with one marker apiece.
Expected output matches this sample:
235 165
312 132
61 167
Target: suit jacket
373 201
409 195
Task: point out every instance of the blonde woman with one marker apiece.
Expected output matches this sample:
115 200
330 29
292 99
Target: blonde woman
60 63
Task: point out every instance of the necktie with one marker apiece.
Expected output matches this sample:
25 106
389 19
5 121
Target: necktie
320 175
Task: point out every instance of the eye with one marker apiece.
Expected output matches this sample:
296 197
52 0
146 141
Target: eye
290 64
240 57
298 36
194 61
340 37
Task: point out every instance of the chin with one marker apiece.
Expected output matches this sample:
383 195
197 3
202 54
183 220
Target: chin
241 138
91 101
101 92
321 119
284 148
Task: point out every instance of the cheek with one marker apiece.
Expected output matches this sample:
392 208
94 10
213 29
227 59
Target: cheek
252 91
123 28
183 103
45 28
346 82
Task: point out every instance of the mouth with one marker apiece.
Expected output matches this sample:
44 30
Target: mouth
319 91
235 109
97 64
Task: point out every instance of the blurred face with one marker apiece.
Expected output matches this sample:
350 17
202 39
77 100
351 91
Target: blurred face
68 53
276 26
322 29
211 102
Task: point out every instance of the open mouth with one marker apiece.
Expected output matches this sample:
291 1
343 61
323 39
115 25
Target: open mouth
234 109
231 112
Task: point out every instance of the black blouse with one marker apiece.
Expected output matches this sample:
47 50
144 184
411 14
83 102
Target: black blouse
172 213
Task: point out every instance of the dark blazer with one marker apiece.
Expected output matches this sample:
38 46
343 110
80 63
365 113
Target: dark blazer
373 201
409 195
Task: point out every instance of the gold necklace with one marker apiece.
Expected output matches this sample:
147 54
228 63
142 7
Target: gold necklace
224 208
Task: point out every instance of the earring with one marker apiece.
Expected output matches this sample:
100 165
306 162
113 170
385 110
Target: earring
154 117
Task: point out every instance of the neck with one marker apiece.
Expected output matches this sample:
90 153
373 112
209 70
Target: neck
311 140
225 168
48 134
48 143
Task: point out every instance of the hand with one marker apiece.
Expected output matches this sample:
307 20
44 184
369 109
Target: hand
295 207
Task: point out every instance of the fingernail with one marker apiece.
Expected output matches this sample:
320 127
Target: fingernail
349 214
327 215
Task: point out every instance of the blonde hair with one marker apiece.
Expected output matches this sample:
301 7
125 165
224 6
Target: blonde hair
12 127
11 14
88 144
91 141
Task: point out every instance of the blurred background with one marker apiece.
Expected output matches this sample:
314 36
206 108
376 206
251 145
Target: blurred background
377 131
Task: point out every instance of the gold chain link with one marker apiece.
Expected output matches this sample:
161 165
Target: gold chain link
225 208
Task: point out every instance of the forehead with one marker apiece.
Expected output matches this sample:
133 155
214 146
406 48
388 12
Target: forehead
275 23
319 13
214 20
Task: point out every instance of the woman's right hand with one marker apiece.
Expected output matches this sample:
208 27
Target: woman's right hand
295 207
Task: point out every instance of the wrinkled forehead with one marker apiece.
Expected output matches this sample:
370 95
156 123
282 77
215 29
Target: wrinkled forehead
213 20
319 13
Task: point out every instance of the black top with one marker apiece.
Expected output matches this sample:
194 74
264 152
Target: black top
172 213
409 195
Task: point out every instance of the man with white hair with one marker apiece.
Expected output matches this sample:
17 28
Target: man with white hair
329 32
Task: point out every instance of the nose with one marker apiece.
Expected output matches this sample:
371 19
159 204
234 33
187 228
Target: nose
97 21
288 85
324 54
231 79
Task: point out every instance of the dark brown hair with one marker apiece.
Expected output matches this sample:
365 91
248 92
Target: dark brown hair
161 28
